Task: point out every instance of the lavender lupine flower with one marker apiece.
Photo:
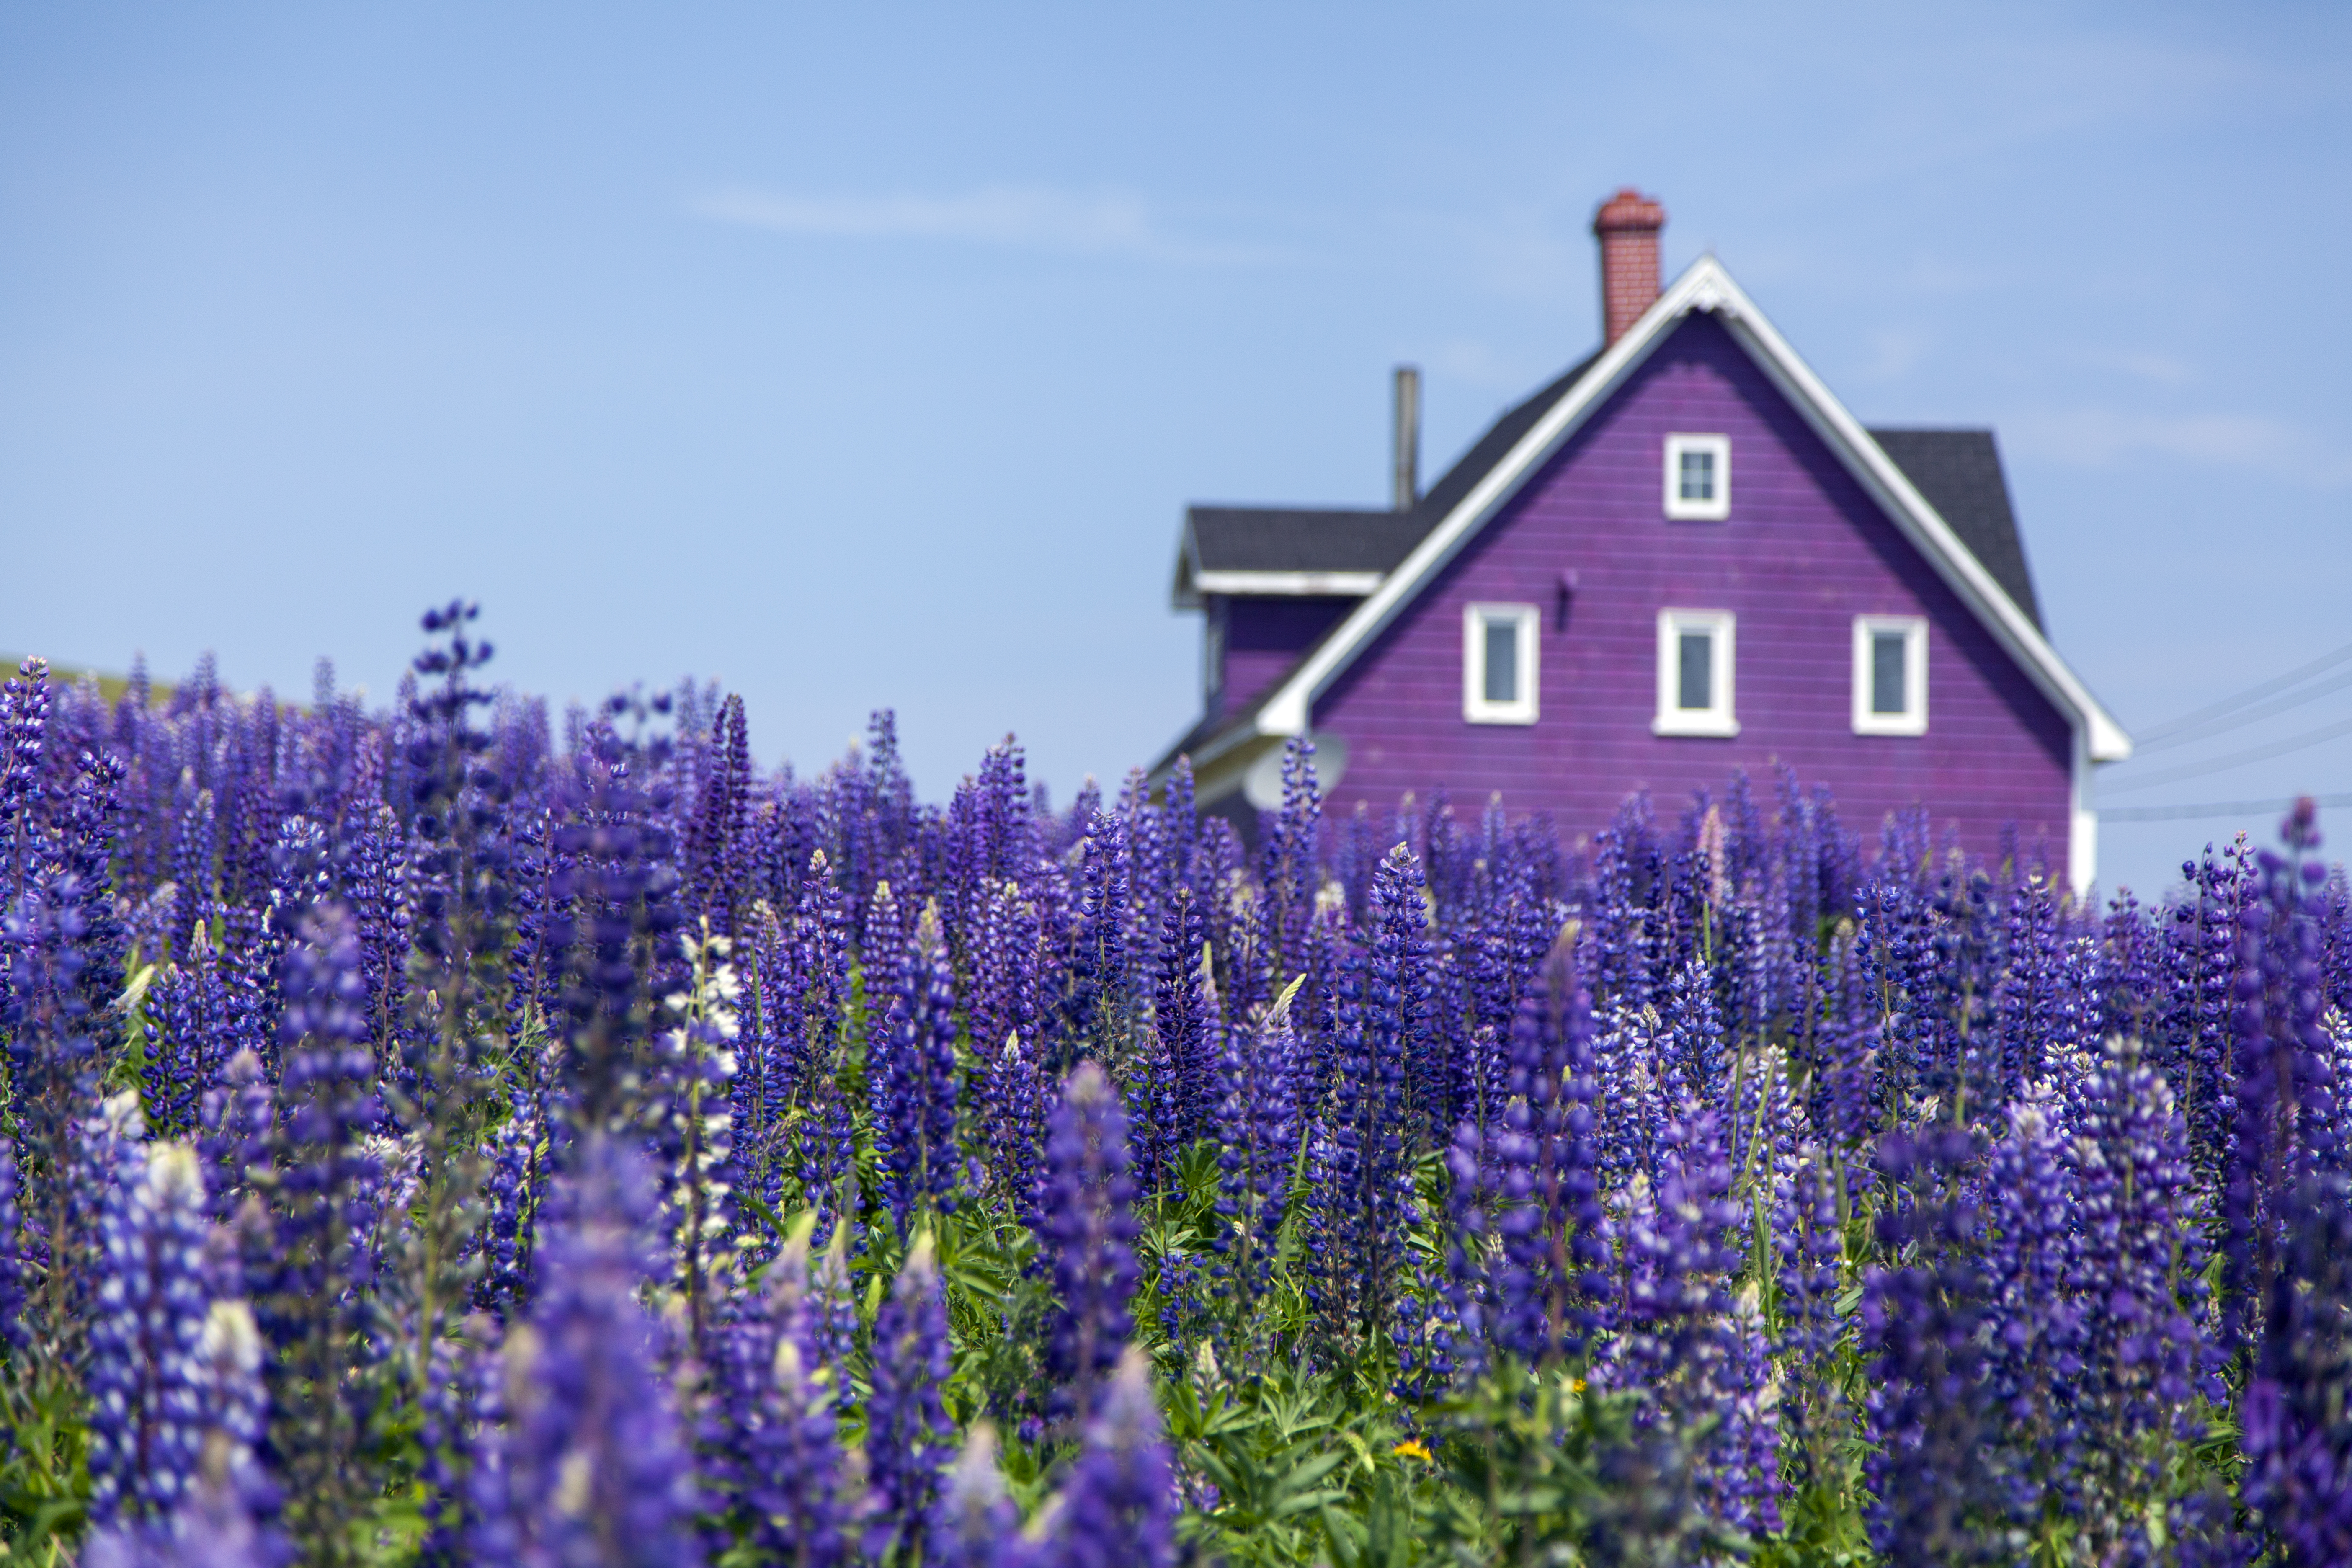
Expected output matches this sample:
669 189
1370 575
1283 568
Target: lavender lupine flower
908 1433
979 1526
2297 1412
592 1467
1090 1234
147 1380
914 1083
1396 1007
695 1137
1118 1510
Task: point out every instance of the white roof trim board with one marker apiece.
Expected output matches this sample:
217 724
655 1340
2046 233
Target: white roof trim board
1705 286
1289 584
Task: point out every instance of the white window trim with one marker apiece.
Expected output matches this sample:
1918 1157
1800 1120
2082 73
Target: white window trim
1716 509
1913 719
1475 706
1673 719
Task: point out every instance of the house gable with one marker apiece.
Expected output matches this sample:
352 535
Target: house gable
1806 550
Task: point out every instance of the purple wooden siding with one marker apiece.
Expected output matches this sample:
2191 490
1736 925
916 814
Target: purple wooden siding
1263 637
1804 552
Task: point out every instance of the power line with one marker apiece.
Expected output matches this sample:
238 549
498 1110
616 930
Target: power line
2248 716
2256 754
2276 683
2217 808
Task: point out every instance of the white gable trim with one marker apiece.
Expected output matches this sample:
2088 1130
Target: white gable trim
1706 286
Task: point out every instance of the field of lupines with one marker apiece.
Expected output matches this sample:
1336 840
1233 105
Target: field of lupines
430 1141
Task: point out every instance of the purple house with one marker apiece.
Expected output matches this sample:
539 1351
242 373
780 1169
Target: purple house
1681 558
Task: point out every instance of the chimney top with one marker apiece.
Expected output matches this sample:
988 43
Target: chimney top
1627 226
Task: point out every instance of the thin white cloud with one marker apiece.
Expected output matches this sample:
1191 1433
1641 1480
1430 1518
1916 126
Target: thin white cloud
2095 437
1025 217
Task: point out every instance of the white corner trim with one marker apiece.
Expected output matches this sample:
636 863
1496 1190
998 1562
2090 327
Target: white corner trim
2083 823
1714 508
1274 583
1720 716
1913 719
1477 706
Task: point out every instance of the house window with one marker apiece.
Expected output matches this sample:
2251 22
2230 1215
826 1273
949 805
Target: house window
1698 478
1696 659
1890 674
1498 663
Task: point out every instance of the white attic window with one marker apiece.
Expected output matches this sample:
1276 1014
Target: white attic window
1498 663
1698 478
1890 674
1695 663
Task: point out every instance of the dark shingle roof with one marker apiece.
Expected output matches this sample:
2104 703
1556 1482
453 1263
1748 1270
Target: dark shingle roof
1298 538
1959 473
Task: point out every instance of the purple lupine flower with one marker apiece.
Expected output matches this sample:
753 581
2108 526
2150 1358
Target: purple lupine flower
979 1526
907 1434
12 1256
779 1458
592 1467
1396 1007
1358 1191
1015 1128
235 1132
1258 1143
2035 1363
2296 1414
191 1032
2285 1098
1182 1013
1102 1008
1538 1194
1931 1483
459 1407
512 1190
1090 1234
1118 1508
913 1079
149 1383
1292 848
2140 1282
213 1528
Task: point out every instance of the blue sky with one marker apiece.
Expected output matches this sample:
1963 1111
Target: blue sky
868 355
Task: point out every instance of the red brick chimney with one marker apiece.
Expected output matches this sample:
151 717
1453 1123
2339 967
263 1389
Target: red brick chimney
1627 226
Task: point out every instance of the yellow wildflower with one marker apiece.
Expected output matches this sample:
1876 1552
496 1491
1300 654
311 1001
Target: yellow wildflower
1411 1449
